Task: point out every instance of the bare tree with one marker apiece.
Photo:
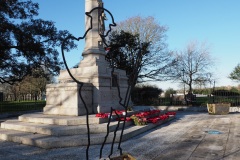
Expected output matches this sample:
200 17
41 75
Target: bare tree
193 65
157 62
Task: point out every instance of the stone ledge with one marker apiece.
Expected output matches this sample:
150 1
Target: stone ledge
56 130
60 120
46 141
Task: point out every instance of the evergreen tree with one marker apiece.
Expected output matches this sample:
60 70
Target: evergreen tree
27 43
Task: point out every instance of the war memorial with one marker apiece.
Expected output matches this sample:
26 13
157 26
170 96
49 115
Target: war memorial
83 118
77 108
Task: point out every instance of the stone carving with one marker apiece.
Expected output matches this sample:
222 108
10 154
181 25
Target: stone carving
101 19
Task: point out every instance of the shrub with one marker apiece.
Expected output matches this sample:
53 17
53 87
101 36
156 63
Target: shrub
145 94
225 93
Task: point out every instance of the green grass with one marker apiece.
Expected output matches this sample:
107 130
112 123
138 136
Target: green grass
16 106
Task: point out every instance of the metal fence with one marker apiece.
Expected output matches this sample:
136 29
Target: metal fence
197 101
21 97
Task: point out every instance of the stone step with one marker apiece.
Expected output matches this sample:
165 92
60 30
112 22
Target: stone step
64 120
60 120
57 130
46 141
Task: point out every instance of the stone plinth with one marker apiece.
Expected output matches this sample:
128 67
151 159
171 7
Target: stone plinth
100 96
63 99
218 108
94 70
98 91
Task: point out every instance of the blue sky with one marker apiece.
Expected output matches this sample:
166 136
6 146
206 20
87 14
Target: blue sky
216 22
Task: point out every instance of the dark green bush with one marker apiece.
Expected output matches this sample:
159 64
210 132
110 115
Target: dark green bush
145 94
225 93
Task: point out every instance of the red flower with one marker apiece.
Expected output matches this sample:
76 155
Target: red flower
119 112
164 117
154 120
102 115
147 113
122 119
171 113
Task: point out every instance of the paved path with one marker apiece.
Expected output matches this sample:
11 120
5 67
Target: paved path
185 138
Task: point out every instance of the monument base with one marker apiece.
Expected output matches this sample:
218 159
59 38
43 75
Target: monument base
64 99
99 91
54 131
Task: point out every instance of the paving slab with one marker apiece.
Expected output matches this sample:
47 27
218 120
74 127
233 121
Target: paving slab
184 138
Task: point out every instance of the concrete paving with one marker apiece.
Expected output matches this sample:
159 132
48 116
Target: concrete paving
191 136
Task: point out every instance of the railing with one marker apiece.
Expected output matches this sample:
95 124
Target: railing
234 100
199 101
21 97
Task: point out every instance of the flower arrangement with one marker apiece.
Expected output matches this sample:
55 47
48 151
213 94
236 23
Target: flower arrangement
106 115
141 118
119 112
139 121
122 119
148 113
171 113
102 115
159 118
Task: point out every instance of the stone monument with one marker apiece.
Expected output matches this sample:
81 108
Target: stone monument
62 125
99 90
